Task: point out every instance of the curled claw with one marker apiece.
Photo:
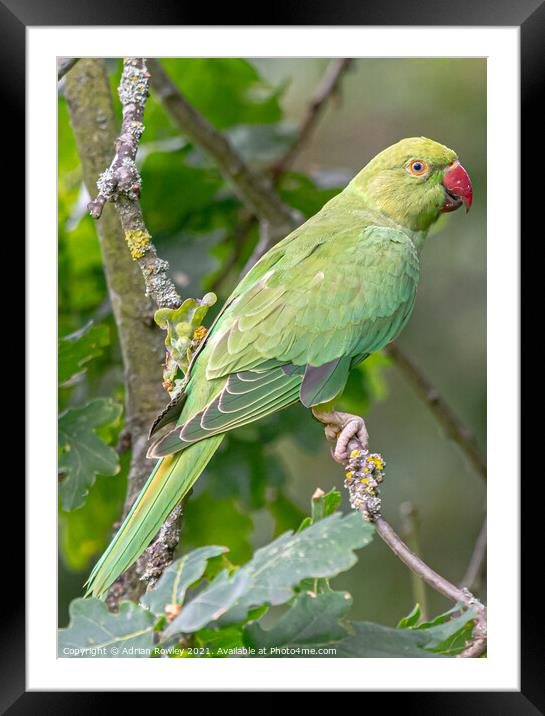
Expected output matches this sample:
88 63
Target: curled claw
354 428
342 428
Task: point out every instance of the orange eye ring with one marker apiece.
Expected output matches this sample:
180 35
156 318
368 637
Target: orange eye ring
418 167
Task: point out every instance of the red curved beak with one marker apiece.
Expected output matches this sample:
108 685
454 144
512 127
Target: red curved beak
458 188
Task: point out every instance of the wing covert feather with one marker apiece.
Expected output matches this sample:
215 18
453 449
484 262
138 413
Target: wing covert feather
350 294
301 317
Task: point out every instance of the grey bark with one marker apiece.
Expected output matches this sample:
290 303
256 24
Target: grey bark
89 98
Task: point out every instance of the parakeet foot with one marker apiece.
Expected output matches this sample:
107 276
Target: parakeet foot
342 427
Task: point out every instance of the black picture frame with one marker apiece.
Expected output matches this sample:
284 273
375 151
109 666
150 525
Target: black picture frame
529 15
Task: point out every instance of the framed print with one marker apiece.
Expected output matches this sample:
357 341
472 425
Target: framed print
282 262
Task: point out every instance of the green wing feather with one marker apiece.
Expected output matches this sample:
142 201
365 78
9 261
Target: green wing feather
345 296
295 325
243 398
169 482
318 302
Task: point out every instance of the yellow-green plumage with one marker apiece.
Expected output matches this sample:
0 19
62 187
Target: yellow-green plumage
336 289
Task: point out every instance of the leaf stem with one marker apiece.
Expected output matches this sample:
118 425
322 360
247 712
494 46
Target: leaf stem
329 87
89 98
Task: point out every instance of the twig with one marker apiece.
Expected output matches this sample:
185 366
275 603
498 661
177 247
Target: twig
64 65
473 576
329 86
90 106
153 562
364 473
411 527
477 646
121 184
451 424
255 190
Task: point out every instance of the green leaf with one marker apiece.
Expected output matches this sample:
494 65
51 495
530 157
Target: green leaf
77 349
376 641
322 550
83 285
86 532
220 642
311 619
172 210
411 619
449 635
325 504
95 632
332 500
227 91
441 618
455 642
210 604
83 454
179 576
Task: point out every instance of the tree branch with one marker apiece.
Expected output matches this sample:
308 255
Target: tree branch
442 412
255 190
363 476
474 572
257 193
121 184
64 65
328 88
89 98
151 565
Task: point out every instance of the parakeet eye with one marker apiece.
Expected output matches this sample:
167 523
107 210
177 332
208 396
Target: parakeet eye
418 167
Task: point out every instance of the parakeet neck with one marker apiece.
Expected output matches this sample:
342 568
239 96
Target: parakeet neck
356 202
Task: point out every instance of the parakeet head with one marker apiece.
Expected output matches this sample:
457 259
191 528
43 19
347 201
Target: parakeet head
414 181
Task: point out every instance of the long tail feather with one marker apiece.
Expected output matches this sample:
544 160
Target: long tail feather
170 481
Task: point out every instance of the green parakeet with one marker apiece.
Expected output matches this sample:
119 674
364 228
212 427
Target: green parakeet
335 290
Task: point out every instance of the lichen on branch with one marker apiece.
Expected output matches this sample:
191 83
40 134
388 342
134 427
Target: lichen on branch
121 183
89 99
364 474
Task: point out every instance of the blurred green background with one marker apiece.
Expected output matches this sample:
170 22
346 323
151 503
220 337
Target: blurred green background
262 483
